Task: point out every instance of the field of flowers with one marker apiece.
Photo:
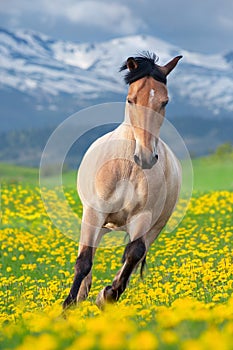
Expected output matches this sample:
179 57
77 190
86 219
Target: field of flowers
185 300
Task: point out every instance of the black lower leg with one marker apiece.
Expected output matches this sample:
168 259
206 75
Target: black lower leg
82 268
134 253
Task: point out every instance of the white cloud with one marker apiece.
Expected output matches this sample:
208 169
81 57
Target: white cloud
113 17
202 25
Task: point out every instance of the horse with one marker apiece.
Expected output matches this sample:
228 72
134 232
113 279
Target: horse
128 180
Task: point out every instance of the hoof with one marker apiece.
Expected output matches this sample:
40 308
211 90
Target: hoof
106 296
69 301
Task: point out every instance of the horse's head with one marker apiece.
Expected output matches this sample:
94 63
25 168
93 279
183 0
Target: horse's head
145 105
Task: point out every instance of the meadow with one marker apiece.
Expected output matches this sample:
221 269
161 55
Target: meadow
185 300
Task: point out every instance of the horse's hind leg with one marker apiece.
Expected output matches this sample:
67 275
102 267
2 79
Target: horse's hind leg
134 254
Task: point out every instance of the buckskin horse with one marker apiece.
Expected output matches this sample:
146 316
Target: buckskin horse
128 180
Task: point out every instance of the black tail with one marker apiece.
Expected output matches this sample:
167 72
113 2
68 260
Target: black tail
143 265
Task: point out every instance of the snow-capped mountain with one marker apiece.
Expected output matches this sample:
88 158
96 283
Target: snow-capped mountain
44 77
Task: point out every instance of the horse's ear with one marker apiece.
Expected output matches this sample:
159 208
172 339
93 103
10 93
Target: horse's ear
170 65
131 63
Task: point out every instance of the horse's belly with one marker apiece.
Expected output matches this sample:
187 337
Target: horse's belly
116 221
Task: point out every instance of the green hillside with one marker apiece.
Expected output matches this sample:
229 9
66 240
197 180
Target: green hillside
213 174
12 174
210 173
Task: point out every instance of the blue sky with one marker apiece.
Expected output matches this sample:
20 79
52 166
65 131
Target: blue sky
202 25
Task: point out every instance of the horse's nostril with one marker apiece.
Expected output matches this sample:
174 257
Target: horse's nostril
154 159
136 159
145 164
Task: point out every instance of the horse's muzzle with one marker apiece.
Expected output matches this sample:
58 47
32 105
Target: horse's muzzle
146 163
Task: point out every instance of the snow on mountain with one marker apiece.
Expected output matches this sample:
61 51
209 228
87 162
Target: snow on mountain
44 69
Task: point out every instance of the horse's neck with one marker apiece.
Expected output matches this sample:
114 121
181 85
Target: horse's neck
125 129
126 118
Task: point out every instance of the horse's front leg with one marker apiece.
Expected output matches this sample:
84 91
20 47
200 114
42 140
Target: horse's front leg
82 269
84 288
91 233
134 254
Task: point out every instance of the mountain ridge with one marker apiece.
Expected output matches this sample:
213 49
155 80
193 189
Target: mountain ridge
58 77
44 81
34 64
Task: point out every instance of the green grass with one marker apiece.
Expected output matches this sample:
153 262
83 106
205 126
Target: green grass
13 174
212 173
189 268
184 301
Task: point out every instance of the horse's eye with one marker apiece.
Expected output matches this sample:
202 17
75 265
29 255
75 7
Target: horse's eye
164 103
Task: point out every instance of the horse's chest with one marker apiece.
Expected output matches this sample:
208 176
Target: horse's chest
121 181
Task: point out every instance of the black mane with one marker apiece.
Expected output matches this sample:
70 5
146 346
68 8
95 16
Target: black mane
146 67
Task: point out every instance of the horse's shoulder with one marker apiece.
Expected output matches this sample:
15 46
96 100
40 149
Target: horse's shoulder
169 157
